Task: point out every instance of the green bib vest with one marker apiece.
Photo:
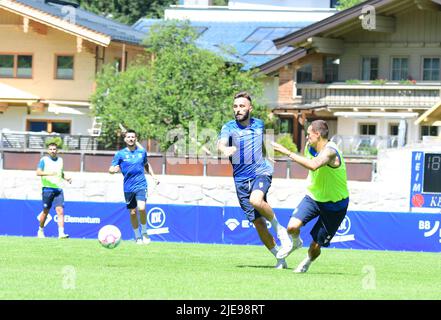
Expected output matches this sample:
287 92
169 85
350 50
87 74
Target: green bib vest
327 183
53 166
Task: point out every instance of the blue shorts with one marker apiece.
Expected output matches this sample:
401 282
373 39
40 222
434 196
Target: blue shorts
52 196
331 215
244 189
132 197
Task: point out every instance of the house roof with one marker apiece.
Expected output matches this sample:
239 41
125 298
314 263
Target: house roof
275 64
114 30
250 51
352 14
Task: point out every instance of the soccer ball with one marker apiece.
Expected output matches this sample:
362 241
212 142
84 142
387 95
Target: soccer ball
109 236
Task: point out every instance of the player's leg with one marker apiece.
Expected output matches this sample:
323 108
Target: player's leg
322 234
268 240
313 253
59 209
243 191
43 216
131 206
258 200
141 202
305 212
48 197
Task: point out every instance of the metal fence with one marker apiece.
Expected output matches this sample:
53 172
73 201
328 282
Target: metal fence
34 140
364 145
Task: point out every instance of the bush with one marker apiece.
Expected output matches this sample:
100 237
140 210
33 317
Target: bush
57 140
286 141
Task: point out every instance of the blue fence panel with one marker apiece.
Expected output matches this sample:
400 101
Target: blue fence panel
229 225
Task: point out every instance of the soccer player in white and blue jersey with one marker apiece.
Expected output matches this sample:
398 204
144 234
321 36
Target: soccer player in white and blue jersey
242 141
51 170
131 161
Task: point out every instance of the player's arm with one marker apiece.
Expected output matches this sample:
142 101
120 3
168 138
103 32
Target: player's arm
223 143
149 170
41 172
325 157
68 179
222 146
114 169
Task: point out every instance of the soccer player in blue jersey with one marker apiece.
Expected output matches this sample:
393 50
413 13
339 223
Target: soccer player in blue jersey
132 161
242 141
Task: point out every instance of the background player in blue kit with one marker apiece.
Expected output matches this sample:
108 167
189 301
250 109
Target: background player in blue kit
132 161
242 141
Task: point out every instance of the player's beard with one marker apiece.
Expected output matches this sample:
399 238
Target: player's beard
130 144
243 117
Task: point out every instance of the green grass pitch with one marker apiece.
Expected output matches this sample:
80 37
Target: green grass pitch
32 268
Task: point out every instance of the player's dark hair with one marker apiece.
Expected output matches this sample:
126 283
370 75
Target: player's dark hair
52 144
321 127
131 131
243 94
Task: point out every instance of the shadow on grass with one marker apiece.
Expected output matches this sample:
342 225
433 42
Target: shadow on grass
309 272
258 267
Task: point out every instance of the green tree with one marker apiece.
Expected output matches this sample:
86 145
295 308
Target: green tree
345 4
127 11
181 87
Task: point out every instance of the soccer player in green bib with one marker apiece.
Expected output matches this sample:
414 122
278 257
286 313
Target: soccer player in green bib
51 170
327 195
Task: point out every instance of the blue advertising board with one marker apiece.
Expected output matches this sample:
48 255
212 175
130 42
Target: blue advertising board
223 225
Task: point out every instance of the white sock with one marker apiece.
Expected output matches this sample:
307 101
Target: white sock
40 228
60 231
277 227
137 234
143 228
274 250
308 259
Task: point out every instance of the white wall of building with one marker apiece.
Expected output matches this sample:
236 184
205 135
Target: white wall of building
222 14
350 127
278 4
270 91
15 119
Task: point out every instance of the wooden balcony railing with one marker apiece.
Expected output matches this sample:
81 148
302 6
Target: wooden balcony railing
369 95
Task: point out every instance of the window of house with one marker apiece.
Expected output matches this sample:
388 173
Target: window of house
303 74
393 129
49 126
24 66
6 66
64 67
368 129
286 125
429 131
431 67
400 68
330 69
334 3
15 66
369 68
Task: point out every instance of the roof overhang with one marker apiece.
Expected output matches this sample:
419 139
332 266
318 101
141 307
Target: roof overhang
390 115
283 60
55 22
351 15
431 116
